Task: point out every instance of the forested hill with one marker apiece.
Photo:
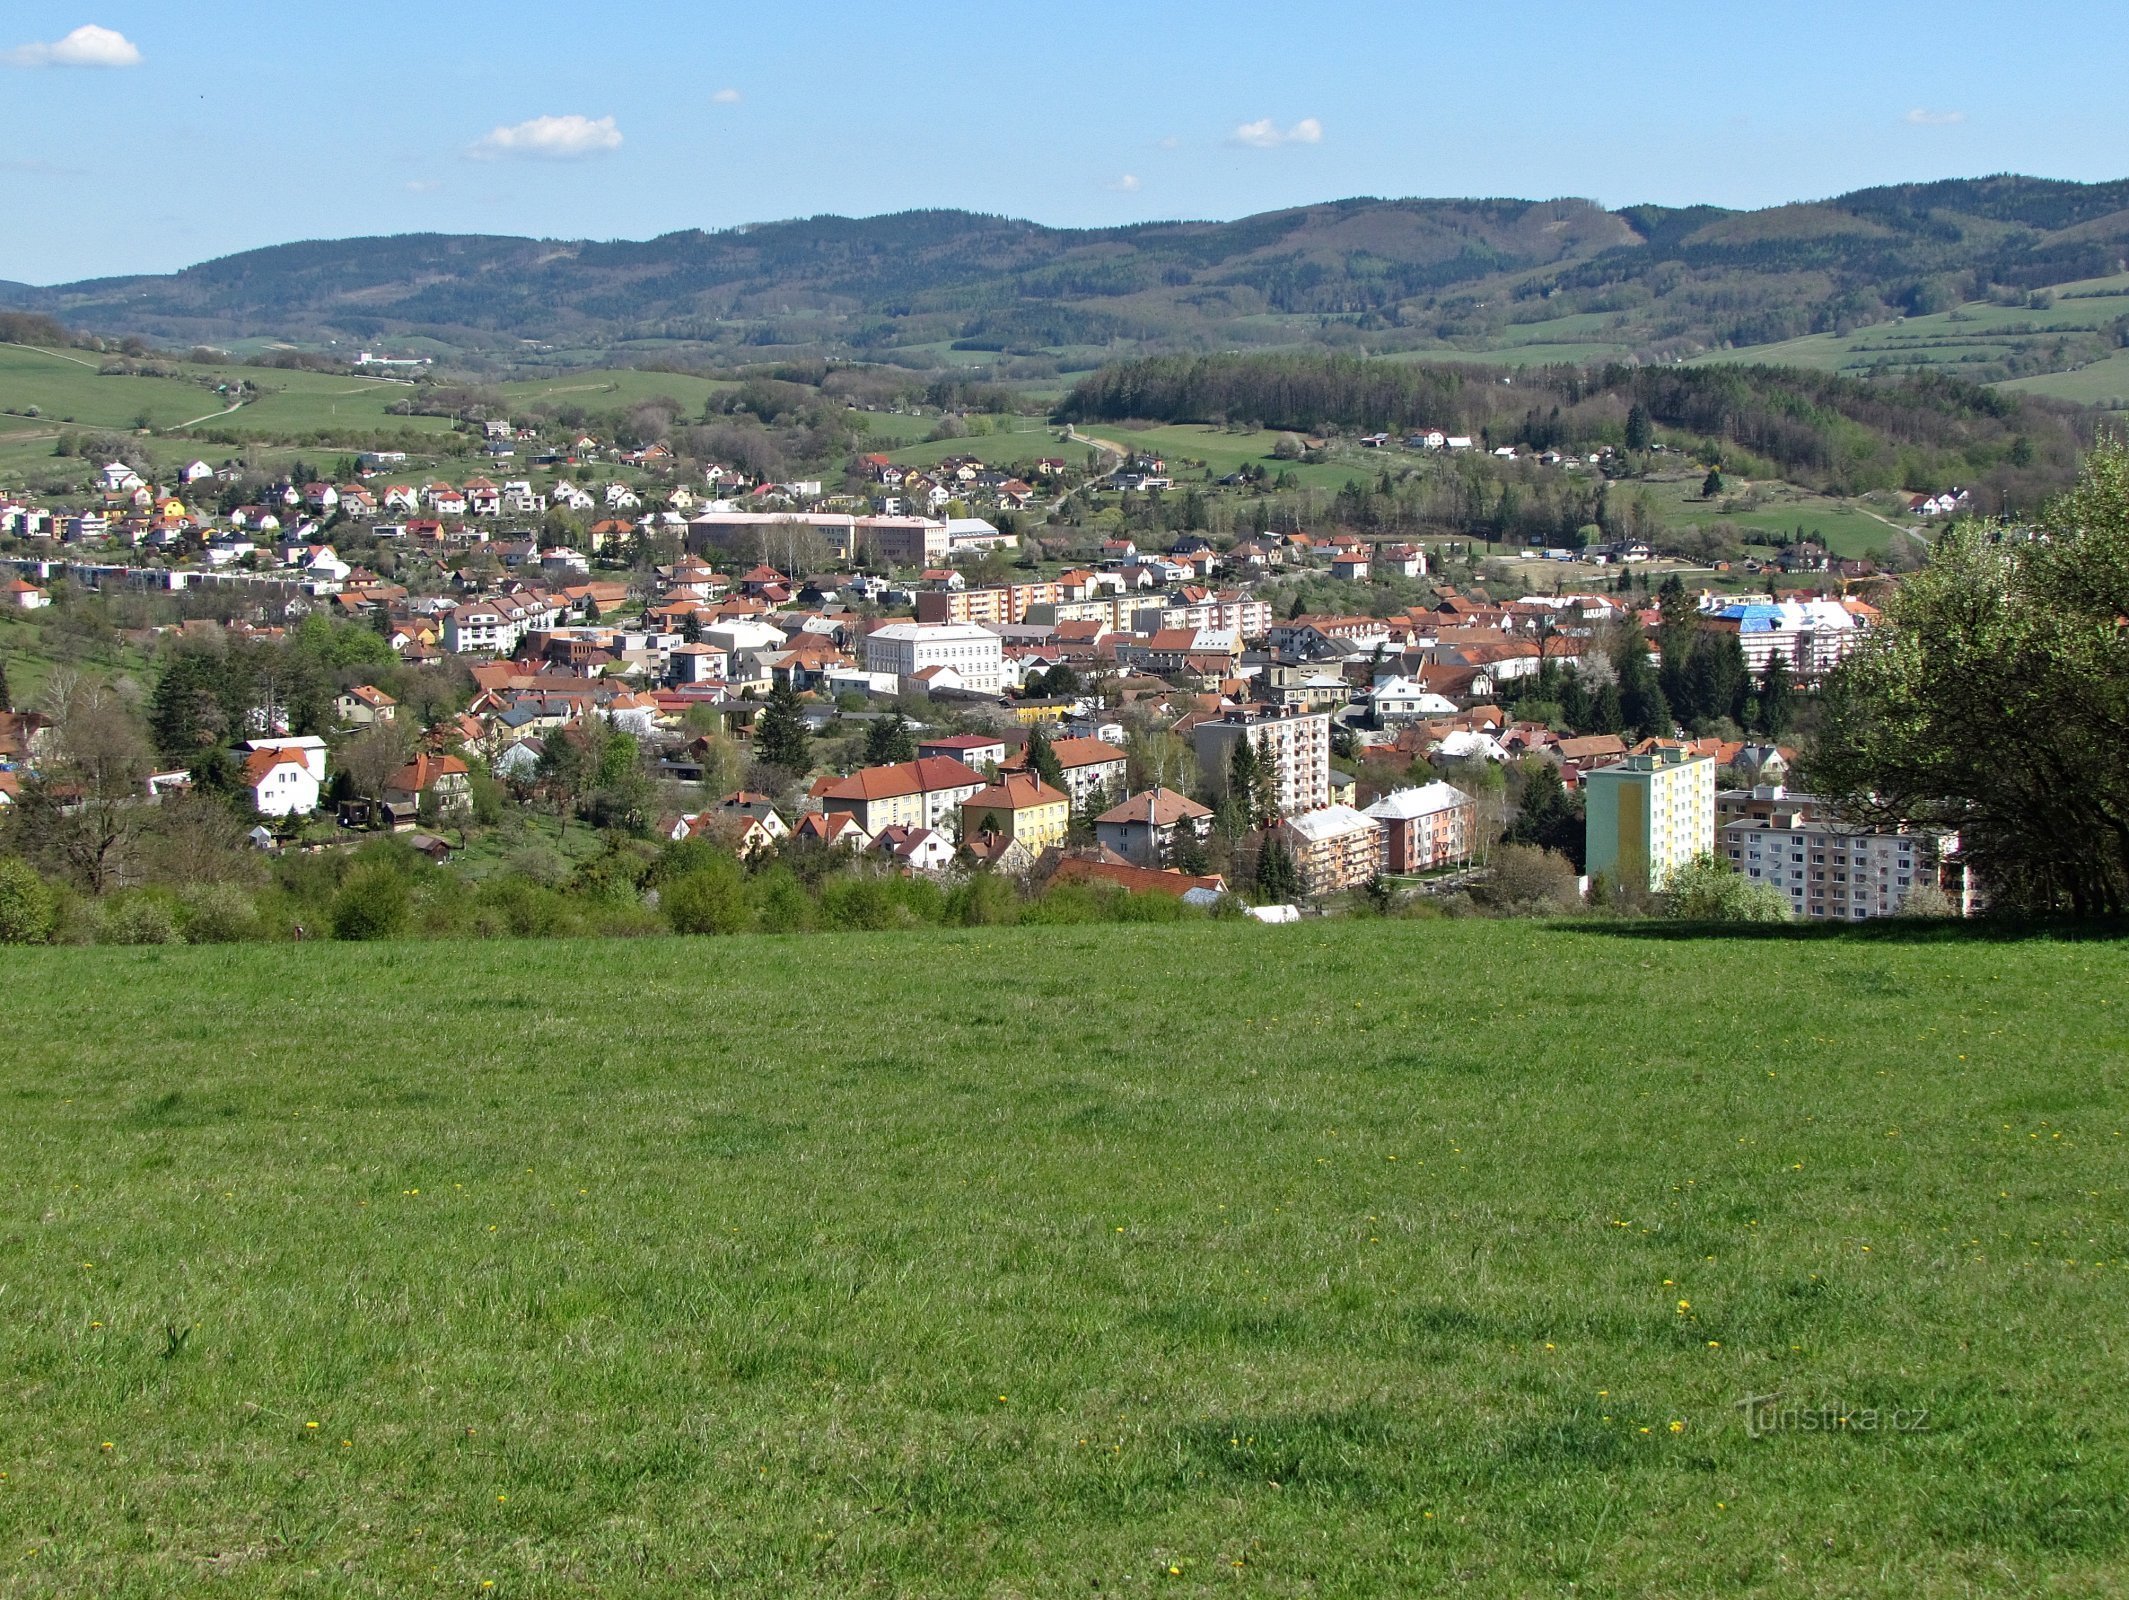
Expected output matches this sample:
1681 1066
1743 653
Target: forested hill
1378 274
1847 435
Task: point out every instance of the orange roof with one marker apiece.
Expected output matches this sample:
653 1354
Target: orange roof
261 762
417 775
1138 880
922 776
1163 808
1075 753
1019 791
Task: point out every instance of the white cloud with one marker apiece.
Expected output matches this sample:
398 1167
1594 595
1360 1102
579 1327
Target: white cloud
1265 134
1923 117
567 138
726 97
423 185
1128 183
86 46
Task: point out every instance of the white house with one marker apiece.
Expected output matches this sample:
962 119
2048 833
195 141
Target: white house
281 782
1396 700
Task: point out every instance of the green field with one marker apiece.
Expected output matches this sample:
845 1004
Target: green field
1847 529
2104 382
67 388
32 648
1969 337
603 389
1226 452
1412 1258
1021 438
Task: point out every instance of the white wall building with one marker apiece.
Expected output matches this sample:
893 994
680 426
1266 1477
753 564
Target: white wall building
974 654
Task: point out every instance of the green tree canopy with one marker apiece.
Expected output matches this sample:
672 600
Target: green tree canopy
1994 699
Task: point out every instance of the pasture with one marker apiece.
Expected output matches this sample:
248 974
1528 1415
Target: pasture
1347 1258
66 388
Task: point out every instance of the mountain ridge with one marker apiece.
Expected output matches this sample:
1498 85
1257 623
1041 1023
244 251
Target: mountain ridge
1648 281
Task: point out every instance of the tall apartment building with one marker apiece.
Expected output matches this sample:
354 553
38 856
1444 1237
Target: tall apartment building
1297 743
1649 815
1832 869
975 655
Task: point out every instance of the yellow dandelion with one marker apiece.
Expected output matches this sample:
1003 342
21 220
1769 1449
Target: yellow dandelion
1677 1427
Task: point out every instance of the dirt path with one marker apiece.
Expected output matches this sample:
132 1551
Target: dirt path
239 406
41 350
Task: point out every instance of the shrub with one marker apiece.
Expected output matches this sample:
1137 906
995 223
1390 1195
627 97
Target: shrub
1708 889
781 904
710 899
138 919
28 907
985 900
1528 881
216 913
373 903
523 909
872 904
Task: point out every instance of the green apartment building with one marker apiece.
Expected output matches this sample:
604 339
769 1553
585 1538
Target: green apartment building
1649 814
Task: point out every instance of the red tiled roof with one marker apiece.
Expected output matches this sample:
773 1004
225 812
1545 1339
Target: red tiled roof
923 776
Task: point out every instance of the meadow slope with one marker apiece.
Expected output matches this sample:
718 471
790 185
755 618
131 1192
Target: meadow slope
1352 1258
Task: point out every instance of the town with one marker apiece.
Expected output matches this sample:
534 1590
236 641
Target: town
882 682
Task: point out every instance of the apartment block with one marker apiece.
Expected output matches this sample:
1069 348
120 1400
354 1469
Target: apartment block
1295 742
1649 815
1835 870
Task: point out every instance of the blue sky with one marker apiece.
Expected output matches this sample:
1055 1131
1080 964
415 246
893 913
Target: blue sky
242 124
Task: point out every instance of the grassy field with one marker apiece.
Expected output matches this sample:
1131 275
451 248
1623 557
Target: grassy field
1225 452
1969 337
2104 382
1846 528
1423 1257
604 389
66 388
32 649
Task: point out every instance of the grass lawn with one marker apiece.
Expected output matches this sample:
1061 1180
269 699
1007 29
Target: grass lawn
1387 1259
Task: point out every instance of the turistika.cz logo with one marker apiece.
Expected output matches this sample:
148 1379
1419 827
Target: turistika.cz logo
1770 1413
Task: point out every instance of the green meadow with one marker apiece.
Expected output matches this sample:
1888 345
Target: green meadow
67 388
1350 1258
606 389
1774 507
1971 336
1226 451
